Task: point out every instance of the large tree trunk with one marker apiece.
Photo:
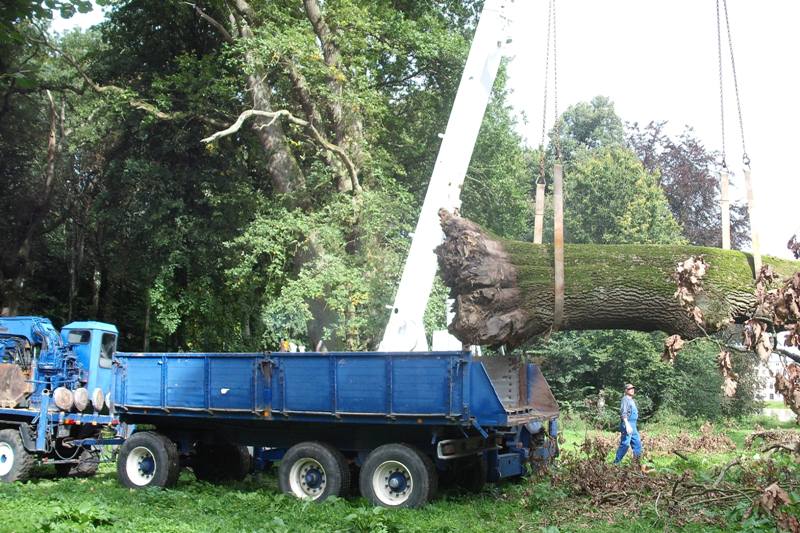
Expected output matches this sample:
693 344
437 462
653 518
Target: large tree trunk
503 289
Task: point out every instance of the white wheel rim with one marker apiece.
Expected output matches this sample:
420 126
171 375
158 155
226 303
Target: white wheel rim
6 458
392 483
140 466
307 479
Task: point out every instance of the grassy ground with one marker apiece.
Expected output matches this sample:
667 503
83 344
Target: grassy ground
534 504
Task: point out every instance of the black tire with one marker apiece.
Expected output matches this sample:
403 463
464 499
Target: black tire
148 459
87 465
221 462
411 473
314 471
472 473
16 463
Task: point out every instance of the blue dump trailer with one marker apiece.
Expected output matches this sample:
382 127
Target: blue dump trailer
393 425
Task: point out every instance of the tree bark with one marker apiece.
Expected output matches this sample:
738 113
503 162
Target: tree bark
503 290
282 166
38 211
347 127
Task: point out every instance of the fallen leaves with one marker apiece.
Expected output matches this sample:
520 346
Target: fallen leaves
788 385
772 502
729 377
688 276
672 345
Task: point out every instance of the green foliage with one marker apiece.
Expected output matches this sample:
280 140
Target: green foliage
255 505
584 366
610 198
497 189
697 390
591 125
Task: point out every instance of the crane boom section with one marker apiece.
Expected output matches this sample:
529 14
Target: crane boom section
405 330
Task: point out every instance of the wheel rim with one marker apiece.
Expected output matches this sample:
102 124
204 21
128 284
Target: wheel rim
6 458
392 483
307 479
140 466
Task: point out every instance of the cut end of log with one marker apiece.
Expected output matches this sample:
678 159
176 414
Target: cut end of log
483 282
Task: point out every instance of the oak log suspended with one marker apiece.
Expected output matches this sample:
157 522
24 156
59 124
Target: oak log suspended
503 289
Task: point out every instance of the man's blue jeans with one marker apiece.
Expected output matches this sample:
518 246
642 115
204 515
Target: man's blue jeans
627 440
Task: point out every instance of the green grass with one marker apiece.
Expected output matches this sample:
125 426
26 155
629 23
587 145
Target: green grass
100 504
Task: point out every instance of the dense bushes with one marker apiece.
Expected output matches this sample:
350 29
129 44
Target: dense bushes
587 372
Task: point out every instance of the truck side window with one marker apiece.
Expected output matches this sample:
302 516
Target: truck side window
79 336
109 346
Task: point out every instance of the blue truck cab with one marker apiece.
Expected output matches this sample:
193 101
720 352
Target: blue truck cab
94 344
54 395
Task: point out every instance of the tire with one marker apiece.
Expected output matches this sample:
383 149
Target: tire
466 473
472 473
16 463
217 463
87 465
314 471
148 459
398 475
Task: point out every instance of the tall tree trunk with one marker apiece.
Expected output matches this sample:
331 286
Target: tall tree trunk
283 169
76 248
38 212
146 341
503 289
346 123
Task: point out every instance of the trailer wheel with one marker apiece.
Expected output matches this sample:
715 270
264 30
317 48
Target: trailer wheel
16 463
148 459
398 475
314 471
221 462
88 462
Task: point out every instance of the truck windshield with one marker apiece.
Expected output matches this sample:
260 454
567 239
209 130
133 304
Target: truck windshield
79 336
109 346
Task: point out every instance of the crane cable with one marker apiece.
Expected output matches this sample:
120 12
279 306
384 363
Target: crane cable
745 156
751 203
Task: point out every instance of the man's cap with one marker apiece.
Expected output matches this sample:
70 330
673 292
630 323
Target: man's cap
629 386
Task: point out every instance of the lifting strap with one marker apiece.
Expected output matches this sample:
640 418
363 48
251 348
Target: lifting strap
558 246
725 209
751 209
538 218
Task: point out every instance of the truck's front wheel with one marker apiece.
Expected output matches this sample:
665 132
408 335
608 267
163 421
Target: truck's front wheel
148 459
16 463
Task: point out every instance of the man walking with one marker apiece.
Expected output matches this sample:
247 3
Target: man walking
629 435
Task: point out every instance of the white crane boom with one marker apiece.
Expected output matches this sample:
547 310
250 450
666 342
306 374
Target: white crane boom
405 330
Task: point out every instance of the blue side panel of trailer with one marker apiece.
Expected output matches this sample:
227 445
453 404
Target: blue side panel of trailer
410 387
